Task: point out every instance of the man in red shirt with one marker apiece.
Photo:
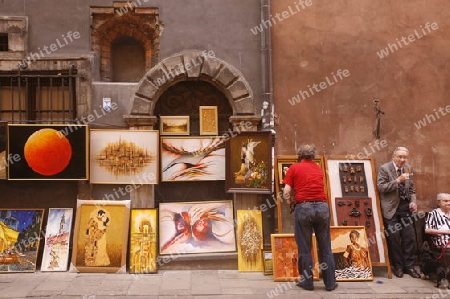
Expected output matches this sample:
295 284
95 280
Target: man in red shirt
312 215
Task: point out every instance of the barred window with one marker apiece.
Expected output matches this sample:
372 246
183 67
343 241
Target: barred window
35 97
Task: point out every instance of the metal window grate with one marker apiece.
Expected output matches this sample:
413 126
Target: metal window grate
4 42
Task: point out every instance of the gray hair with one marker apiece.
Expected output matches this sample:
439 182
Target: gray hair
441 196
306 151
400 148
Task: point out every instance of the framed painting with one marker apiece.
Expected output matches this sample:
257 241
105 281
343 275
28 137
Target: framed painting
100 236
192 159
3 147
249 163
249 240
124 157
284 216
143 250
196 227
48 152
285 257
354 201
268 262
209 124
351 253
57 240
20 235
174 125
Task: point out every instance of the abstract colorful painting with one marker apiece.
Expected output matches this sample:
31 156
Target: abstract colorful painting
143 250
47 152
57 240
196 227
124 157
192 159
101 236
249 240
20 234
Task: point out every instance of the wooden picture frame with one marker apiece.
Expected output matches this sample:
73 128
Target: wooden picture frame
267 262
143 252
285 223
249 163
4 159
249 240
124 157
174 125
101 236
211 224
20 236
350 249
57 240
364 210
285 257
48 152
192 159
209 124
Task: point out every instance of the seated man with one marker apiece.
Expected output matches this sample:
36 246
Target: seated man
437 225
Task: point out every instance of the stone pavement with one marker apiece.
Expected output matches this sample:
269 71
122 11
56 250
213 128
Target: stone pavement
202 284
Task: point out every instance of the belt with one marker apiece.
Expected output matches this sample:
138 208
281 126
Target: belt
311 201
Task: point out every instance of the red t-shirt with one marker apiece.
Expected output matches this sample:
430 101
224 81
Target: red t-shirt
306 178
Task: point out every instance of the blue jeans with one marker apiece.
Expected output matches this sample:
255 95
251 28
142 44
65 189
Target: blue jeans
314 217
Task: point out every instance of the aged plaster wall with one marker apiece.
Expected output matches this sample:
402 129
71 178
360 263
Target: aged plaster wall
411 82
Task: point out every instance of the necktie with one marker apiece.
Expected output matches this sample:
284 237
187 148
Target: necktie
401 186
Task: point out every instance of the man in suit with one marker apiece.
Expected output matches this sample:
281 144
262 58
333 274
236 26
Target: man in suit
398 202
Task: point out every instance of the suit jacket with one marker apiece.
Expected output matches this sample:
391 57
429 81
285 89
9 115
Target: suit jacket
389 191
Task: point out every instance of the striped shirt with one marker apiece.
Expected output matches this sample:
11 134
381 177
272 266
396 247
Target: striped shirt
437 219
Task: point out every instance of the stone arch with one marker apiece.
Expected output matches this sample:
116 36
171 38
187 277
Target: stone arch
185 66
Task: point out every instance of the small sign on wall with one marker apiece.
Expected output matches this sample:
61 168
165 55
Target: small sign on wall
107 104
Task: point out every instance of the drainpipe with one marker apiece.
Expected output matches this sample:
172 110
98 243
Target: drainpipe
267 111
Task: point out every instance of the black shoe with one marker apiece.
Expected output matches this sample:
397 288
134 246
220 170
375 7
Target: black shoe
308 288
334 288
413 273
398 273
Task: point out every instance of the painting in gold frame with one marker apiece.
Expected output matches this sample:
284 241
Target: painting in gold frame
101 236
192 159
249 240
209 124
285 257
268 262
124 157
143 250
350 249
174 125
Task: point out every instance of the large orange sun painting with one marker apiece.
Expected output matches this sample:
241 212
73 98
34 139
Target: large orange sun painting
48 152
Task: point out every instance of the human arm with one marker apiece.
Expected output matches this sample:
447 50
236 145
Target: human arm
287 192
438 232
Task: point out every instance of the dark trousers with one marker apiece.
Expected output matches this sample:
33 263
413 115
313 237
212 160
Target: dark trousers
401 239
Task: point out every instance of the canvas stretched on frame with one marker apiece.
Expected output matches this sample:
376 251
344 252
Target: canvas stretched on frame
57 240
174 125
100 243
250 240
209 124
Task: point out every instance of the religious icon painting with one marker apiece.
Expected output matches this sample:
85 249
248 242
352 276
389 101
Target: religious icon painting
57 240
249 240
20 235
101 236
143 241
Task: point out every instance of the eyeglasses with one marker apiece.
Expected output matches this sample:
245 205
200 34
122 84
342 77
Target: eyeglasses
402 157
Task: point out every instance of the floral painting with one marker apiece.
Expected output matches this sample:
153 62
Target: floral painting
250 240
249 163
196 227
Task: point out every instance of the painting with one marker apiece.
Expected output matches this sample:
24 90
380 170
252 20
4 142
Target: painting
57 240
249 163
209 124
268 262
351 253
357 208
124 157
100 236
250 240
174 125
192 159
196 227
143 241
48 152
284 217
285 257
20 235
3 147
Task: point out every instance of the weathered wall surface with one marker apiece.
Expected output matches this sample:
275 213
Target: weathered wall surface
411 79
